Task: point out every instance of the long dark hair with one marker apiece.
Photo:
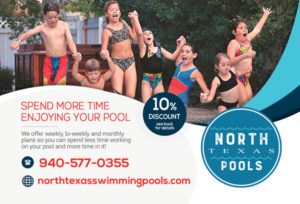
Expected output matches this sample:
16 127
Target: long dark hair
236 22
194 49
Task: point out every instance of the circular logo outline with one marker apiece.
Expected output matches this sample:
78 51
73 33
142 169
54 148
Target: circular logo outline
180 109
253 183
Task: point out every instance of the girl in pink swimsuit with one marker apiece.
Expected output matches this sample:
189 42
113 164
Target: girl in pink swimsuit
241 54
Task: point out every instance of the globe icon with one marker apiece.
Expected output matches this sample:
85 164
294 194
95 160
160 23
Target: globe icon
27 181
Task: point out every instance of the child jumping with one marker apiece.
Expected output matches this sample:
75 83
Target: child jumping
186 74
56 34
151 59
93 77
225 82
241 54
117 33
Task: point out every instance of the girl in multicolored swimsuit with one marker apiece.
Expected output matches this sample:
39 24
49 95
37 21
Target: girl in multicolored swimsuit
240 53
225 82
151 59
117 33
186 74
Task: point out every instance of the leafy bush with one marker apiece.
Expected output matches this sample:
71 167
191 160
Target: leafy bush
6 80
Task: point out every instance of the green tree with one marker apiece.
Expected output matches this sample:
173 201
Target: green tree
21 15
89 8
207 24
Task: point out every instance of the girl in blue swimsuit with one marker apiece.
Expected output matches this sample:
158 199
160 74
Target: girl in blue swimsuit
225 83
118 33
186 74
151 59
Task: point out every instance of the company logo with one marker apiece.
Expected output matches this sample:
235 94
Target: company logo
241 147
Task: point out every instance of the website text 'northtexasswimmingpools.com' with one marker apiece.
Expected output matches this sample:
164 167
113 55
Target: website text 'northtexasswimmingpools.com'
138 182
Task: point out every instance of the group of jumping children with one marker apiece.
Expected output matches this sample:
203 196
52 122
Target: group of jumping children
233 69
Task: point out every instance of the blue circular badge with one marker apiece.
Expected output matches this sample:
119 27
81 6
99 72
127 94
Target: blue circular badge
27 162
27 181
164 114
241 147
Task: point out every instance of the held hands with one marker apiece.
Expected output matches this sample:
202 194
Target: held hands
15 45
133 14
181 41
267 11
105 54
203 97
77 56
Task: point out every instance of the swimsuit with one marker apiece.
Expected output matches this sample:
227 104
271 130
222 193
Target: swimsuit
152 67
227 105
181 83
118 35
152 79
226 86
55 70
244 79
123 63
243 49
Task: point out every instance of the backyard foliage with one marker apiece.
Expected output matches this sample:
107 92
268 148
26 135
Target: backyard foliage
6 80
21 15
207 24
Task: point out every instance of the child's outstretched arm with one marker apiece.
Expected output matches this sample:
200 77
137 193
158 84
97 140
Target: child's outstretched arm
78 77
214 85
197 76
180 42
139 32
108 74
70 41
173 56
132 33
14 45
104 45
131 16
260 24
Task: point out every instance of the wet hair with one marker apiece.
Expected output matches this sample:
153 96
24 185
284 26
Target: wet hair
51 6
92 65
236 22
218 59
194 49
